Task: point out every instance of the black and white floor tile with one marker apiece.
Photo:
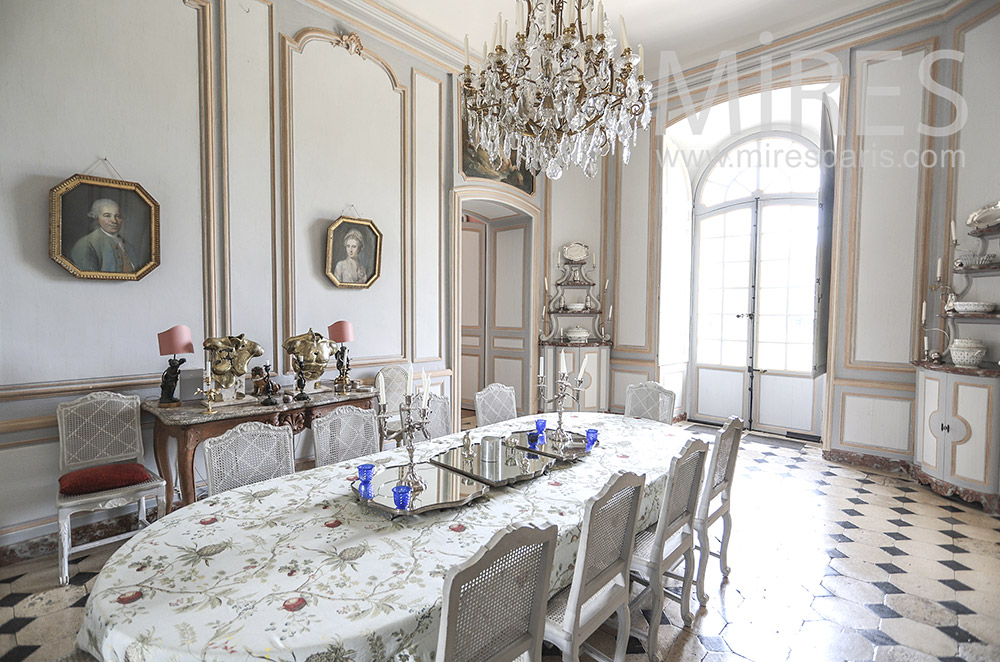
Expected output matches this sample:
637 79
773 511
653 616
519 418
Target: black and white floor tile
829 563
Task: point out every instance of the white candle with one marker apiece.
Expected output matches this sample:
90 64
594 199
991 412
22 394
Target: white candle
519 17
600 18
467 58
583 368
381 389
567 14
427 386
541 369
562 360
954 232
642 62
610 308
621 24
546 281
923 313
939 269
590 21
548 18
505 42
409 381
925 345
484 54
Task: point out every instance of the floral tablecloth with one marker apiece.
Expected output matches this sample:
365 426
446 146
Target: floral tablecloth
296 569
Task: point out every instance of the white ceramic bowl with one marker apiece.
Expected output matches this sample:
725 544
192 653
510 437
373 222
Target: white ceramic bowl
577 334
967 343
974 307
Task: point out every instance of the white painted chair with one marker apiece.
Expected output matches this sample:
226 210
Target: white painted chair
248 453
101 429
650 400
394 378
343 434
661 547
439 417
600 585
495 403
494 603
718 484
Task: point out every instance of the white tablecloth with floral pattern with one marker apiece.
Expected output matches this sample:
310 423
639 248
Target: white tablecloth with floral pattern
296 569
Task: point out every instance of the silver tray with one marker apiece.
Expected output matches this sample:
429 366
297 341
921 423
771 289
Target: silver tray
444 489
573 449
513 465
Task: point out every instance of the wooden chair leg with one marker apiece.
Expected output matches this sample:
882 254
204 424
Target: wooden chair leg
624 623
686 586
703 554
727 528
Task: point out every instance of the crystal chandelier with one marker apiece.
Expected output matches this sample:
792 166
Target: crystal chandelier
560 93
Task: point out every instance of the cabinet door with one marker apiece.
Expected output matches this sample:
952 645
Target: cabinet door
928 448
971 435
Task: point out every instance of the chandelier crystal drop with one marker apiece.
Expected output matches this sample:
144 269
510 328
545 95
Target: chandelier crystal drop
559 93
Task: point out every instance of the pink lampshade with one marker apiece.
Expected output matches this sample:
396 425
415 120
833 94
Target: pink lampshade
342 331
175 340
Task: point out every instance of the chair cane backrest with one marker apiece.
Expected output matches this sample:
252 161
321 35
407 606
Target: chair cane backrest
494 603
249 453
99 428
722 462
495 403
395 379
650 400
606 542
439 417
345 433
680 494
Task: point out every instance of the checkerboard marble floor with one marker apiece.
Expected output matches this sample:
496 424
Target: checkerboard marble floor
829 562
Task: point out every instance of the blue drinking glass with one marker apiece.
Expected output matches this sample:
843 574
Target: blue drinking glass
401 496
591 438
541 438
532 440
365 490
365 472
540 425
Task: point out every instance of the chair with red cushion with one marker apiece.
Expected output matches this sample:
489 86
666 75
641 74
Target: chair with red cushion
100 456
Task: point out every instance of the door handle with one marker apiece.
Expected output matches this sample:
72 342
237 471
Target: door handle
747 315
945 428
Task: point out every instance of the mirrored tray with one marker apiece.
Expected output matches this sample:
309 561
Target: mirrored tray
512 465
573 449
443 489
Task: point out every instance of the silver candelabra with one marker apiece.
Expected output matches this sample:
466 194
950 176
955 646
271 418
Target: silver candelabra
412 419
564 387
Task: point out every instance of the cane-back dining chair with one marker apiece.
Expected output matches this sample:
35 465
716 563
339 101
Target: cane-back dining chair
494 404
343 434
494 603
439 417
100 456
717 487
661 547
600 585
248 453
650 400
394 378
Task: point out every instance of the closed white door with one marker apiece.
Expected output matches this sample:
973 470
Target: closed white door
508 305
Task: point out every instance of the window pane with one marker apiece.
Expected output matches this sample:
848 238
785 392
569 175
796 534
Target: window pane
709 351
734 328
771 328
800 357
771 356
737 274
734 353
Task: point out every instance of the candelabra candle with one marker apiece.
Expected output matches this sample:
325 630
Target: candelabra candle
563 387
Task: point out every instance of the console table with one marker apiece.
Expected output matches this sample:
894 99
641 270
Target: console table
191 424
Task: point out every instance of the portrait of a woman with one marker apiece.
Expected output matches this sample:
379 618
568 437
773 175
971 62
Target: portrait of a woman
353 252
350 269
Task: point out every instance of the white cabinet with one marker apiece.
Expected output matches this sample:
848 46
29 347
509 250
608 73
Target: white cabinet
958 435
595 393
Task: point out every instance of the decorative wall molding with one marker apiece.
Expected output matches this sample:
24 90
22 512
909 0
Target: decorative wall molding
350 42
923 213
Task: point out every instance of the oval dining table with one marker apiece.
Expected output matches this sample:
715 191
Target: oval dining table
296 568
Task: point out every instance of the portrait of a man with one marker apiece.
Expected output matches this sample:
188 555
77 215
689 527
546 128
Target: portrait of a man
103 228
353 252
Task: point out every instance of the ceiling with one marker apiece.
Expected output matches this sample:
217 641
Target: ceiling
696 31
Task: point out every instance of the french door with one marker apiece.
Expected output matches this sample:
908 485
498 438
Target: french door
756 312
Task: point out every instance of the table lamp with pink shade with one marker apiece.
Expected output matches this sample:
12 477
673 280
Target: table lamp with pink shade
342 332
175 340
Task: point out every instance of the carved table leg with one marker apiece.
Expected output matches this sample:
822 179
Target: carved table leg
185 466
161 438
